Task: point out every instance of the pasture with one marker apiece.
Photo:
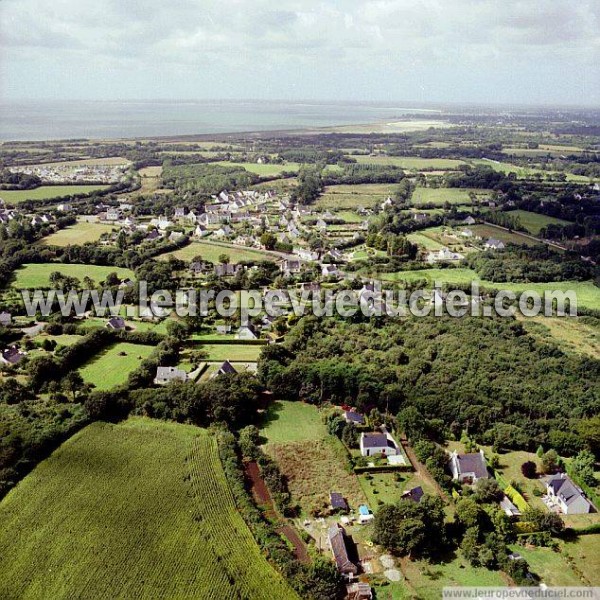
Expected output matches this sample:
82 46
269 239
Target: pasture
411 163
47 192
112 366
36 275
109 161
292 422
349 197
264 170
534 222
232 352
508 237
82 232
212 251
141 509
441 196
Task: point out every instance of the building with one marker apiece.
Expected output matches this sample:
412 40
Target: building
565 495
509 508
414 495
358 591
468 468
338 502
225 369
444 255
339 549
245 333
115 323
289 266
5 319
494 244
11 356
354 417
372 444
165 375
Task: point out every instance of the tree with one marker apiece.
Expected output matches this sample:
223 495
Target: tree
268 240
224 259
177 330
71 383
529 469
248 442
550 462
468 512
542 520
488 491
583 466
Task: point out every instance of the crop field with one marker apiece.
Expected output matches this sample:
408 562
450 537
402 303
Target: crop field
441 196
347 197
211 252
112 366
292 422
534 222
413 163
36 275
264 170
46 192
141 509
78 234
232 352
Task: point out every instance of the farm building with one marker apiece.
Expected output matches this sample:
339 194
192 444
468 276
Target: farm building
377 443
245 333
5 319
468 468
563 494
337 541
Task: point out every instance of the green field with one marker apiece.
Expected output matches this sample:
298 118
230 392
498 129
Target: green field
508 237
36 275
526 172
425 241
141 509
45 192
588 294
232 352
292 422
211 252
534 222
346 197
414 163
109 368
441 196
78 234
264 170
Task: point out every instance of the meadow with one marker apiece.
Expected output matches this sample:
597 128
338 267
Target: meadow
534 222
211 252
141 509
46 192
108 161
112 366
348 197
413 163
441 196
36 275
508 237
264 170
82 232
292 422
232 352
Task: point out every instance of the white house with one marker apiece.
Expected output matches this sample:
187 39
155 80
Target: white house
165 375
468 468
444 255
564 494
372 444
493 244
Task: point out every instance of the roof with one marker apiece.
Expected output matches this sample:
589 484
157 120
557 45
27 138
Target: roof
12 355
565 489
116 323
337 539
415 494
354 417
508 507
338 501
227 367
376 440
472 463
170 373
363 509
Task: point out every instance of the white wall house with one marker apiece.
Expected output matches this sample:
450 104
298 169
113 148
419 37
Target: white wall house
372 444
562 492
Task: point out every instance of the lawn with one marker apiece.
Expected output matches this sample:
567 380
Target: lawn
347 197
112 366
440 196
46 192
584 557
211 252
423 240
232 352
413 163
550 566
78 234
141 509
36 275
264 170
292 422
387 488
534 222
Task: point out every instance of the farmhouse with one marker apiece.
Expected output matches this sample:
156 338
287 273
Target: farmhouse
377 443
337 541
245 333
566 496
165 375
468 468
444 255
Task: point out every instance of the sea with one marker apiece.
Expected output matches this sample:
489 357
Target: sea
30 120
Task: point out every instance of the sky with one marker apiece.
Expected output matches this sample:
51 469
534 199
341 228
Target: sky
458 51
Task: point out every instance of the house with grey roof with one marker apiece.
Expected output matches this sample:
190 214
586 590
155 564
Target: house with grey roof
468 468
166 375
5 318
375 443
564 494
339 549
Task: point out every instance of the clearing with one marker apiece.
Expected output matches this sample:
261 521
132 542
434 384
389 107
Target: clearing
410 162
264 170
141 509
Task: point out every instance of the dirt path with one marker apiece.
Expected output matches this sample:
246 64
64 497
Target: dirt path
421 469
263 499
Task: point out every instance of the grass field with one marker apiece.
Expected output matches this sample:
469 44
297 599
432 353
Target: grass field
387 488
534 222
141 509
111 368
508 237
588 294
91 162
584 557
441 196
46 192
36 275
77 234
425 241
264 170
232 352
526 172
212 252
413 163
292 422
352 196
551 567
